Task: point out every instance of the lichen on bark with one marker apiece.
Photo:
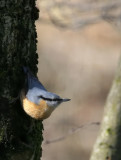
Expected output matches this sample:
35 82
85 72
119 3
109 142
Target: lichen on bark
108 144
20 136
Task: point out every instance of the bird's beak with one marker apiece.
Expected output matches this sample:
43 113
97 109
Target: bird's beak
65 99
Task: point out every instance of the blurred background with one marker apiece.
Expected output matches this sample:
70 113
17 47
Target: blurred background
79 44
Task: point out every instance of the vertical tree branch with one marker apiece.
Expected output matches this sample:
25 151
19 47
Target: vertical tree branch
18 139
108 144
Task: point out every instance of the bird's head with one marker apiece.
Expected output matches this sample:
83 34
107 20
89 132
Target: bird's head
53 100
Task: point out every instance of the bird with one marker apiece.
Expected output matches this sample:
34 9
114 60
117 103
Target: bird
36 101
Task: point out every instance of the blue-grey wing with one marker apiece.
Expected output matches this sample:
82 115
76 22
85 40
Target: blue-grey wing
32 81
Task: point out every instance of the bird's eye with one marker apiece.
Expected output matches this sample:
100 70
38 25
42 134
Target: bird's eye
44 98
50 99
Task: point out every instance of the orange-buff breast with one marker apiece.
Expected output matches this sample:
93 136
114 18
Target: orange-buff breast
41 111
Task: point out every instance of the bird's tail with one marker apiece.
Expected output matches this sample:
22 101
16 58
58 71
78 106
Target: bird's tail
31 80
26 69
29 76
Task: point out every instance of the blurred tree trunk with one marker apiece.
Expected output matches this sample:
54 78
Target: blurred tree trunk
18 139
108 144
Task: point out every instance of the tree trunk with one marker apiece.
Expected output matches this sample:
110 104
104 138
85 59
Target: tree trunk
20 136
108 144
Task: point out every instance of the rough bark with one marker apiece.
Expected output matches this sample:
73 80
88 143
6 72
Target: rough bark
20 136
108 144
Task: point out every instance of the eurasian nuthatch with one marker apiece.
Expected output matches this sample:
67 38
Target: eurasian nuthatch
37 102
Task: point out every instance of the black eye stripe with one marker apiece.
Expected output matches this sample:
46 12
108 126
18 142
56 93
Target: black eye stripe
49 99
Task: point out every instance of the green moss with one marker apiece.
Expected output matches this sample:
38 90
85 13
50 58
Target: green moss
110 135
109 131
118 80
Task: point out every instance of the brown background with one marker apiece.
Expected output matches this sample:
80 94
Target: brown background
77 64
